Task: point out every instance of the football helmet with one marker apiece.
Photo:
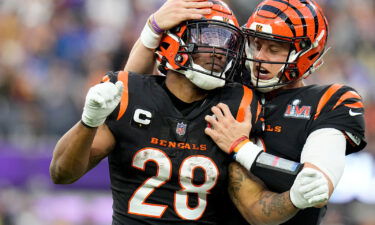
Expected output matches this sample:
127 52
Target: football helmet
299 23
217 34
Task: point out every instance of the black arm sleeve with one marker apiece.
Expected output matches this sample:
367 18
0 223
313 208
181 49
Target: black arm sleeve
277 173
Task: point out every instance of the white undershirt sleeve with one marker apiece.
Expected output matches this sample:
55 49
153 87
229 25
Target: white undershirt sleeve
325 148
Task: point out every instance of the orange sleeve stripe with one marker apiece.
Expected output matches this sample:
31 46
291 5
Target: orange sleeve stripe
355 105
123 76
105 79
347 95
325 98
246 101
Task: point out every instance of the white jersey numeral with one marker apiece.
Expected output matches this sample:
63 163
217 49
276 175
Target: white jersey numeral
137 203
187 168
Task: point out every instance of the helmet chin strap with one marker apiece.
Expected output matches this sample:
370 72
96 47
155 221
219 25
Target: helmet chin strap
202 80
265 86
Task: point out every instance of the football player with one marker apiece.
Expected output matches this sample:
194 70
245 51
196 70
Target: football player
311 124
163 168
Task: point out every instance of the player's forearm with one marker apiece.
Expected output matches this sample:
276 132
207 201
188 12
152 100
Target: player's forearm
71 155
141 59
256 204
271 208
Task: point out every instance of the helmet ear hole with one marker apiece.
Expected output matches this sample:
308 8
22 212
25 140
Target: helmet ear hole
305 44
181 60
178 58
292 73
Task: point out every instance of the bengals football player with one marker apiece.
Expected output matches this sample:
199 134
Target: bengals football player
163 168
312 124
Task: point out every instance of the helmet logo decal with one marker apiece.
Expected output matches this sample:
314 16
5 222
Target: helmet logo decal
258 27
224 19
299 112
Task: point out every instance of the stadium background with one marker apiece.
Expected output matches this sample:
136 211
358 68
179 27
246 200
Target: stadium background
52 51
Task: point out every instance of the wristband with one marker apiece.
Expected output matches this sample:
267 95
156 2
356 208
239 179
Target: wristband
149 38
155 26
247 154
83 123
237 144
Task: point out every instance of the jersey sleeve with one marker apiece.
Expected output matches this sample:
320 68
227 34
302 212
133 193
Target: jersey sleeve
341 107
122 106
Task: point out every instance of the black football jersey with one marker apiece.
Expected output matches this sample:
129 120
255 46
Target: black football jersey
164 169
290 116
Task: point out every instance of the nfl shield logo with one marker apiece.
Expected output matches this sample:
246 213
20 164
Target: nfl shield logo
181 128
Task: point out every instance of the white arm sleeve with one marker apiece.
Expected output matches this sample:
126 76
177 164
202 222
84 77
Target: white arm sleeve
325 148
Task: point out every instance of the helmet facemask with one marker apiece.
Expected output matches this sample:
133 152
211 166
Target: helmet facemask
287 73
209 52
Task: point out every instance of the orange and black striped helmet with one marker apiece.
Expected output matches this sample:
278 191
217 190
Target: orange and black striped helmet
215 33
298 22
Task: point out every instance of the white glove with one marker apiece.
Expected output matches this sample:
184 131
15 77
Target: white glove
101 100
309 189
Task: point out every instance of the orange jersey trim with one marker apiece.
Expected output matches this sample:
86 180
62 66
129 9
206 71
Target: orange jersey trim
245 102
355 105
259 110
123 76
325 98
105 79
347 95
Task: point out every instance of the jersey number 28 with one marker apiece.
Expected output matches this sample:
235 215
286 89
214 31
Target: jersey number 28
137 203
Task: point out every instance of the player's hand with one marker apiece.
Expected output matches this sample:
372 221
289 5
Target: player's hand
224 129
309 189
101 100
173 12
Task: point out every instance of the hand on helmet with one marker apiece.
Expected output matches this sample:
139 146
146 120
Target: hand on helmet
101 100
309 189
173 12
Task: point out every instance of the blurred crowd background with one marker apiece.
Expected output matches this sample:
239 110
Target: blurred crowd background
52 51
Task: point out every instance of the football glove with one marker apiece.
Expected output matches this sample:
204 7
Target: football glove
309 189
100 101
